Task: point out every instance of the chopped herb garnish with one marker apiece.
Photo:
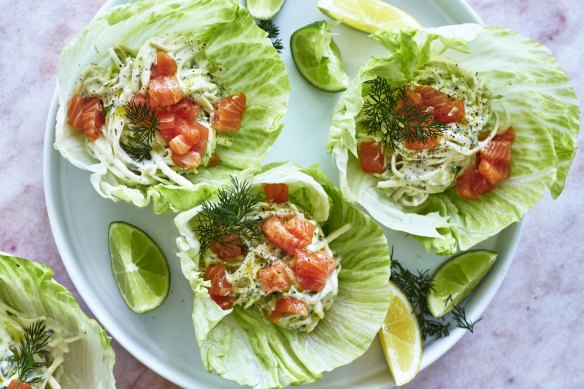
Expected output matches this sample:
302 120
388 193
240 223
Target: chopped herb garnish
143 124
388 114
229 215
35 339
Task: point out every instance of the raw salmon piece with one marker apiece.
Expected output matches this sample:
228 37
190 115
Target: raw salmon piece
371 157
165 65
190 160
275 278
164 91
508 135
288 234
472 184
276 193
187 109
311 269
288 306
220 287
497 151
229 113
179 145
494 172
229 247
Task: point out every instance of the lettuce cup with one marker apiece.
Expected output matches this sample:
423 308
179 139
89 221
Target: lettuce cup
163 100
455 134
285 272
46 341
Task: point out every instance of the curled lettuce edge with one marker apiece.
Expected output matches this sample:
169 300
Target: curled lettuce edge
271 356
542 108
29 288
233 41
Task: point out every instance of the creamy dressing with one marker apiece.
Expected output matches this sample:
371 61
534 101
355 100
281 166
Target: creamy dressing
12 330
242 273
411 176
128 73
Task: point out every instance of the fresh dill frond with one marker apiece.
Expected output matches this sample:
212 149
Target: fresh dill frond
416 287
459 316
229 215
136 150
388 114
273 33
143 121
143 124
35 339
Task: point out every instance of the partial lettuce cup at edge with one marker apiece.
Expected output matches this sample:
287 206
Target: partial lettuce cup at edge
233 42
541 107
28 287
271 356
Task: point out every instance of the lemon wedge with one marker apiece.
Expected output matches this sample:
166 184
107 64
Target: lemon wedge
367 15
401 338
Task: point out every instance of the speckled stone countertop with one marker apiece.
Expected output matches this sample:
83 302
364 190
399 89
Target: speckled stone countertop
531 335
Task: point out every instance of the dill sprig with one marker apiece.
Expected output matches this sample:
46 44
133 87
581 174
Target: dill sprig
143 124
143 121
229 215
273 33
388 114
416 287
136 150
35 339
459 316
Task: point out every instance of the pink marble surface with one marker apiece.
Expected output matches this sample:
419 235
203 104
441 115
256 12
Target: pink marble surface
531 335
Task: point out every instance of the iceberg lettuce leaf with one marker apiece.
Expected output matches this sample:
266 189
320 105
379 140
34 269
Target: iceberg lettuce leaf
28 287
233 42
270 356
541 106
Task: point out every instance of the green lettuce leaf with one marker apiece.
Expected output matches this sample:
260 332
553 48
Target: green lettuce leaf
542 109
28 287
270 356
233 42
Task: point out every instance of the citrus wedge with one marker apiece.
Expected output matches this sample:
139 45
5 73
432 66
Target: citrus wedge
456 278
139 266
401 338
317 57
367 15
264 9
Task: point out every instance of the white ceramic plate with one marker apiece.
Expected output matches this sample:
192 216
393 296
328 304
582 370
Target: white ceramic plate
164 339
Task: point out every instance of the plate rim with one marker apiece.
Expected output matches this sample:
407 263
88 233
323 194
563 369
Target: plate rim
476 305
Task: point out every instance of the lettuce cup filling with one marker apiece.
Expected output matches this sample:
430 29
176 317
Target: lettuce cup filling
286 272
455 134
46 341
164 100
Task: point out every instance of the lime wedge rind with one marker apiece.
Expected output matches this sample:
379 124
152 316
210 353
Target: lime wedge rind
139 267
449 286
326 73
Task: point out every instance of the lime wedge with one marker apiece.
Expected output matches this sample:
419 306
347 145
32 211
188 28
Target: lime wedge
367 15
401 339
456 278
317 57
139 266
264 9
